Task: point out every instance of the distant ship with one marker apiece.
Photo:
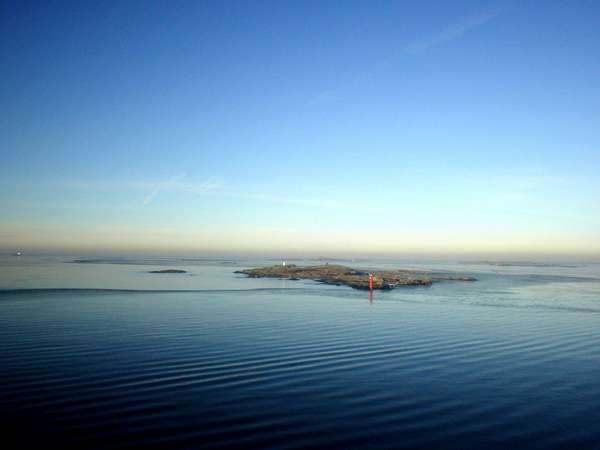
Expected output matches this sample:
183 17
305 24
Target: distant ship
18 254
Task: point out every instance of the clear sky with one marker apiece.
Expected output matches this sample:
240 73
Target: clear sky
313 126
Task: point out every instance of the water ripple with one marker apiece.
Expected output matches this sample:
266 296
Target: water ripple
279 369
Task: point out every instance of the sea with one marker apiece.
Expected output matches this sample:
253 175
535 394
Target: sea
98 353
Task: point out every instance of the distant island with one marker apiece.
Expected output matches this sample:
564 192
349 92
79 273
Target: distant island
168 271
347 276
520 264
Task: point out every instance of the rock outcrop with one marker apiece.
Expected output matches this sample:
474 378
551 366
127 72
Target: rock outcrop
347 276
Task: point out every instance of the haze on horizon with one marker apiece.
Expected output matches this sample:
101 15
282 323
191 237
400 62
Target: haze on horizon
309 127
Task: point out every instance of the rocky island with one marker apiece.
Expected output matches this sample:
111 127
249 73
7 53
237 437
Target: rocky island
168 271
346 276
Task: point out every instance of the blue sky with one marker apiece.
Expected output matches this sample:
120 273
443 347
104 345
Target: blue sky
301 126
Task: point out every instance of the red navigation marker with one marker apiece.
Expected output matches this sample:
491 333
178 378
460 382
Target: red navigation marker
371 281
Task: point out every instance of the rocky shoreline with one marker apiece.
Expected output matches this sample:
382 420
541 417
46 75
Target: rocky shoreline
346 276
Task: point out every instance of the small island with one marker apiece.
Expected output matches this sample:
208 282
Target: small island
168 271
346 276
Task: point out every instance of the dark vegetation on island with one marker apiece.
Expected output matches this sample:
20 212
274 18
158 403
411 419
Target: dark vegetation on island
354 278
168 271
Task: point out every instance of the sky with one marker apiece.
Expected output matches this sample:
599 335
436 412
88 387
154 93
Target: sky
325 127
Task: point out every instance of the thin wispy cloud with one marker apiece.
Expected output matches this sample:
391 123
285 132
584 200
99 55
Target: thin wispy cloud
307 201
454 31
181 183
216 186
176 184
289 200
162 186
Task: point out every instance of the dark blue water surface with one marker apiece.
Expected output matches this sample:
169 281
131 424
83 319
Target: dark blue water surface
512 360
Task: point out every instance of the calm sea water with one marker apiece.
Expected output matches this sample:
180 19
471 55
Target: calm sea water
105 355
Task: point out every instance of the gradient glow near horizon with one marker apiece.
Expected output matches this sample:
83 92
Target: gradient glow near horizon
301 126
